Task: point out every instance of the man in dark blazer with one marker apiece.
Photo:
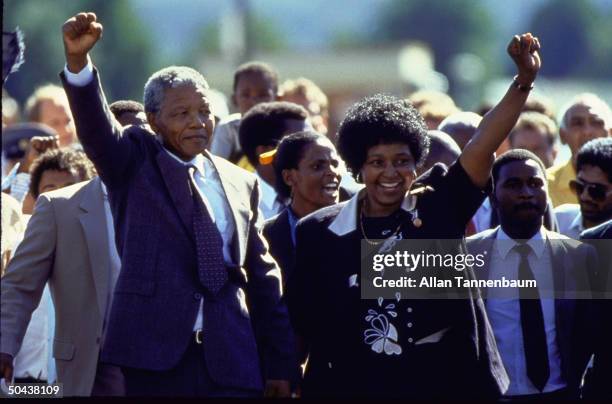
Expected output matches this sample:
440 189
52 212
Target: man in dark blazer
544 338
198 295
598 385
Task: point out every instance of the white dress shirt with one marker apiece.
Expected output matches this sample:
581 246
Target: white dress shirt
207 181
503 309
569 218
482 217
269 204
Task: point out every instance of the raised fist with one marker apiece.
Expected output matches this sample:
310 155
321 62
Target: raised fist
38 145
80 33
524 51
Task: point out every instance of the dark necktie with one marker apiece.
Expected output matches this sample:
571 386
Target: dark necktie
532 323
209 243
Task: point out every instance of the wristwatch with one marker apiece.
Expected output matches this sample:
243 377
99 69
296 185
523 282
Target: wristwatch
521 87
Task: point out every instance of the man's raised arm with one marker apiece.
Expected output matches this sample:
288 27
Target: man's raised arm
477 157
98 132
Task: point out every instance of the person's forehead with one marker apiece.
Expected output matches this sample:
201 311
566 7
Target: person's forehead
591 110
254 79
186 92
521 169
320 149
528 136
53 106
591 173
56 175
389 149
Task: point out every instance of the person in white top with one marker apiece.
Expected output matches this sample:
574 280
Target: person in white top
254 83
544 339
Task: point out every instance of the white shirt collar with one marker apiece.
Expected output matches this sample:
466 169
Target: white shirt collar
268 194
199 162
537 243
577 222
346 221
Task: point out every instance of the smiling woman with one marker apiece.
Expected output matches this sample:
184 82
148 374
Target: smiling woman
307 173
404 346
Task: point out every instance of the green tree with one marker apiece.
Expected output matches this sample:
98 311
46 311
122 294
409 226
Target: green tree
125 54
448 27
575 38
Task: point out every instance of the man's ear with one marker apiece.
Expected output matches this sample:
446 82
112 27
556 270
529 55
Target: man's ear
233 98
151 118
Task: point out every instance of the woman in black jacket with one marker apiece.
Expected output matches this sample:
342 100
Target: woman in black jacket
399 347
307 169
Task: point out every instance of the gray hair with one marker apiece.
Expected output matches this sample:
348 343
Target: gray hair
169 77
590 100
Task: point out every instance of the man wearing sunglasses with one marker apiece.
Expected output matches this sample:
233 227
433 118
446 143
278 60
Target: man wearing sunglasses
592 187
587 117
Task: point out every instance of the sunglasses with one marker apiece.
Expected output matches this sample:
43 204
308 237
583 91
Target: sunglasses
597 192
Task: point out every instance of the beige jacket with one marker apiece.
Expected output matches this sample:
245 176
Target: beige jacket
65 244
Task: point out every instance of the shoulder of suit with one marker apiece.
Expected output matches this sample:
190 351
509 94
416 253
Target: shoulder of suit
70 192
322 217
232 169
271 224
232 119
483 235
603 231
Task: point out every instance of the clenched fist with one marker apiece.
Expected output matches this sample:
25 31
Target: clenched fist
80 33
523 50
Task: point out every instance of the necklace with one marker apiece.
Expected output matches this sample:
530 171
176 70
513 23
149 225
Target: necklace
363 233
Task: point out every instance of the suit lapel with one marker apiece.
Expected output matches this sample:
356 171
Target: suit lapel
93 222
240 213
176 179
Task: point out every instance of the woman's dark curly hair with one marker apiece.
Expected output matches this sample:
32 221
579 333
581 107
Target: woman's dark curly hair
289 153
381 119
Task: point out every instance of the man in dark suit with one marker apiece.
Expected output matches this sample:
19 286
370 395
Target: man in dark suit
598 385
543 331
197 284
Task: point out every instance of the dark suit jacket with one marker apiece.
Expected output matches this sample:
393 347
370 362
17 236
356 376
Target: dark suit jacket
158 293
454 353
599 385
572 262
277 231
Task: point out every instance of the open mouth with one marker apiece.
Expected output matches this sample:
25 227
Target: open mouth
390 186
331 189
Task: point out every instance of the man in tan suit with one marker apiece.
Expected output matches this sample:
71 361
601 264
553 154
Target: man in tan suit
68 244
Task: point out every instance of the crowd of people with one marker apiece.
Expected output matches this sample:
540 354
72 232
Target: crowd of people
167 248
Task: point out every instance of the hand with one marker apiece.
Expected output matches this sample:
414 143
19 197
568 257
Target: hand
80 33
6 367
524 52
277 389
38 145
